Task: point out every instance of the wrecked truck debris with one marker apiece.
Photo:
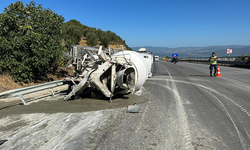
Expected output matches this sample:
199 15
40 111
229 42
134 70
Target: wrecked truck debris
133 108
107 70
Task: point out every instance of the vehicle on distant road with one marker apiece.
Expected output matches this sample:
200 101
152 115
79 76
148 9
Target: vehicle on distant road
156 58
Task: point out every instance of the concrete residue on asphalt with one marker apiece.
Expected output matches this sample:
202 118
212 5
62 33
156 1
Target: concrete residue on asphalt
53 123
73 106
52 131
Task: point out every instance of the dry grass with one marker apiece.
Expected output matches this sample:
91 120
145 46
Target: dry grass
8 83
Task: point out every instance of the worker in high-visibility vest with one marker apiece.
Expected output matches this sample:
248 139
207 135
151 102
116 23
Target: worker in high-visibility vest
213 64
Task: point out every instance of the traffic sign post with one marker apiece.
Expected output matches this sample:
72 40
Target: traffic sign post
174 55
229 51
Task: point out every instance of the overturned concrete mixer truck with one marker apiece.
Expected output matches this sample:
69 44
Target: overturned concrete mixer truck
110 71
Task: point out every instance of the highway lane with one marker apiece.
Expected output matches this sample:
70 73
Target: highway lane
217 109
185 109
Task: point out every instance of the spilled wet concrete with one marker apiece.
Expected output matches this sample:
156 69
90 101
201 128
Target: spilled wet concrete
57 105
52 123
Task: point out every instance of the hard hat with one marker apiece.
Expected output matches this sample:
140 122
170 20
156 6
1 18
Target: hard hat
213 52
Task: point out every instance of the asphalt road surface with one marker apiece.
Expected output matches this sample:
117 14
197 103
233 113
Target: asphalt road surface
185 109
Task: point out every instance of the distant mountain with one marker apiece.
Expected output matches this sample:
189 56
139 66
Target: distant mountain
238 50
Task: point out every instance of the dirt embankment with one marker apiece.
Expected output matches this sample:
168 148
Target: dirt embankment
8 83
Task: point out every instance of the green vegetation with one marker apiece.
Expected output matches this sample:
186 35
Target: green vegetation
32 40
71 35
92 35
92 39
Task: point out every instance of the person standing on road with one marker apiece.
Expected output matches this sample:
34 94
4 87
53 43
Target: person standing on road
213 64
175 59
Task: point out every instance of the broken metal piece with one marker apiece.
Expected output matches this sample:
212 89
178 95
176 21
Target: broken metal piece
96 79
102 55
81 86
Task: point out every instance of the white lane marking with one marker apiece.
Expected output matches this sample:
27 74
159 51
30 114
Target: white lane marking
199 85
212 90
181 114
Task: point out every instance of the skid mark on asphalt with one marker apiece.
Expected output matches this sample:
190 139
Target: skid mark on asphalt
212 90
181 114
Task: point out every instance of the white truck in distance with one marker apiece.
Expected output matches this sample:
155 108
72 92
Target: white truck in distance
156 58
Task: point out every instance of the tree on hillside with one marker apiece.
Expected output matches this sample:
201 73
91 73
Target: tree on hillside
99 33
113 37
71 35
76 23
92 39
86 30
30 41
104 39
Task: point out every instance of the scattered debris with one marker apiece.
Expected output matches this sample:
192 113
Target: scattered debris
110 71
3 141
133 108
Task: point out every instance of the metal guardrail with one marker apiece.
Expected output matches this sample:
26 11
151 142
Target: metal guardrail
233 60
31 89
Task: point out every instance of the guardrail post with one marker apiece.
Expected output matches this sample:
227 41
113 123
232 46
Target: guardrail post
52 92
22 99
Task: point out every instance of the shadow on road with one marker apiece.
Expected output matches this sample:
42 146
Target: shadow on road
199 75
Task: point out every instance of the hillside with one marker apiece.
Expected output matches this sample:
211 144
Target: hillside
238 50
74 31
83 42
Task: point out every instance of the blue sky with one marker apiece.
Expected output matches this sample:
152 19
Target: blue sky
162 23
